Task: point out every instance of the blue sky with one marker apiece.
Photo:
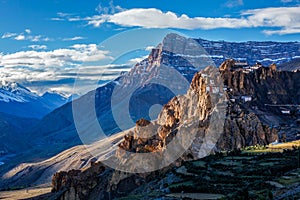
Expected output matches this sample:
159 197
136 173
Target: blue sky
43 43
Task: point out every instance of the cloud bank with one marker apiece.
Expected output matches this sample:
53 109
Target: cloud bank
285 20
57 69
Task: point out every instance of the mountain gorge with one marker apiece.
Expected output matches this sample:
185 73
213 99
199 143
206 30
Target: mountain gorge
21 110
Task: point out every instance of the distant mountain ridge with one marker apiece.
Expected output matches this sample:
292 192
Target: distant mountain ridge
265 52
20 110
18 100
14 92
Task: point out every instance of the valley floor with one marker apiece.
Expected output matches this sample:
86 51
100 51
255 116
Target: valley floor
25 193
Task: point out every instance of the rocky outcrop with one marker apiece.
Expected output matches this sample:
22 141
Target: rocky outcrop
227 65
194 107
265 85
195 117
241 127
78 184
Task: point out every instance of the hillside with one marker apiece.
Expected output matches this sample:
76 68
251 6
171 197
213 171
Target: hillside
11 133
292 65
210 177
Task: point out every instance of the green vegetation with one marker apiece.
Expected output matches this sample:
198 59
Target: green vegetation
258 172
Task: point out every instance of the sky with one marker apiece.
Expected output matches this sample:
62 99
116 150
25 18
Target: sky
49 44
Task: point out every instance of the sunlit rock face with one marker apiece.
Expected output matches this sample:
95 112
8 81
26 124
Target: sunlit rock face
193 120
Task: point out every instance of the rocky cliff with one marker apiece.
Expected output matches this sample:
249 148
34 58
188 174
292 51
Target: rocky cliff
193 121
241 126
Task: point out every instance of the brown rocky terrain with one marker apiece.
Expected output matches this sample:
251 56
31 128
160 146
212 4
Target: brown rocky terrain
187 117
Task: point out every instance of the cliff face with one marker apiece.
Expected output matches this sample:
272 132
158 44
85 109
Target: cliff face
243 129
203 112
265 85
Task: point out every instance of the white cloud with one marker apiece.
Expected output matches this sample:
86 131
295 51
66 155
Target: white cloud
134 61
110 9
154 18
58 57
62 14
74 38
286 19
8 35
37 47
26 35
20 37
28 31
234 3
44 70
282 31
57 19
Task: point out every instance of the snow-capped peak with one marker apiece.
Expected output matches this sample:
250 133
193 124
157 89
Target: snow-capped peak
11 91
18 100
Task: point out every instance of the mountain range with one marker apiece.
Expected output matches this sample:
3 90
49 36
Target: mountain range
60 125
264 52
246 123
